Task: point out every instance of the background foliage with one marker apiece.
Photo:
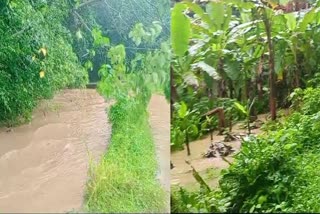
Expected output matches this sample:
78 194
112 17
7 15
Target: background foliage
228 50
221 53
116 19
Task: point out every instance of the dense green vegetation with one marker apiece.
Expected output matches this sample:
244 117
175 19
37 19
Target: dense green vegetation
46 46
37 58
124 181
51 45
222 55
275 172
116 19
237 52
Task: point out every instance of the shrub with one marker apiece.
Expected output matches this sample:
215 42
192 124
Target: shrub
36 57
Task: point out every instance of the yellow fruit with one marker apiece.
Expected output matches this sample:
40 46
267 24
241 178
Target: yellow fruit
43 51
41 74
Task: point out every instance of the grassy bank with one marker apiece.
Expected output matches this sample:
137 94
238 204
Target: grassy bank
124 181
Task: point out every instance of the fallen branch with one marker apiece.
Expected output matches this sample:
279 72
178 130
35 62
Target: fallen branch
82 21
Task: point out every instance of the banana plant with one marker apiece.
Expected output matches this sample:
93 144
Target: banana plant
215 36
246 110
188 121
235 48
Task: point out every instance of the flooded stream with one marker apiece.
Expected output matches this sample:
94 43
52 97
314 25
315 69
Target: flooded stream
44 164
159 113
208 168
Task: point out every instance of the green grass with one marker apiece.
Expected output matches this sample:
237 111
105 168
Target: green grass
125 179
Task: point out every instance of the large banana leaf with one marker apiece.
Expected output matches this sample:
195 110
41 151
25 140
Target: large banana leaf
180 30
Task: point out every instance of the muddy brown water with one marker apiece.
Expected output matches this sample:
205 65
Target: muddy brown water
181 174
159 118
44 164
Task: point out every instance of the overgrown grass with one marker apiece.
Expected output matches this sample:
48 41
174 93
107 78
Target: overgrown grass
125 180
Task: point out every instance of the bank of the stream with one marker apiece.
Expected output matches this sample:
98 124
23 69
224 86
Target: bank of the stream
44 163
125 179
208 168
273 172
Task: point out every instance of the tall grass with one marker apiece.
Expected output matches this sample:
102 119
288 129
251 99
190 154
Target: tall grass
125 179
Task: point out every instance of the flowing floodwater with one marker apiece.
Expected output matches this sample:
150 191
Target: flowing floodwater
159 113
44 164
182 175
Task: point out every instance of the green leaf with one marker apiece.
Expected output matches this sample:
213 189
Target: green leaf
79 34
241 108
180 30
199 11
99 39
290 146
216 13
88 65
262 199
191 79
307 19
241 29
182 112
137 33
104 70
233 69
252 209
211 71
193 130
283 2
200 180
291 21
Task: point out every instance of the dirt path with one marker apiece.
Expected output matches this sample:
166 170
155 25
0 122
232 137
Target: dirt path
44 164
159 111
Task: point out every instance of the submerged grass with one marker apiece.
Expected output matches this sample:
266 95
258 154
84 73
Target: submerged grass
125 179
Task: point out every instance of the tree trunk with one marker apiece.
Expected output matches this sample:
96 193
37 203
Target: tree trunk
231 89
220 112
259 79
173 94
272 100
187 144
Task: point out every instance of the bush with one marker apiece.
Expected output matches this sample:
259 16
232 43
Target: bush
276 172
36 57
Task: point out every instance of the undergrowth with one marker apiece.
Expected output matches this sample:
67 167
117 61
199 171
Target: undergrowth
275 172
